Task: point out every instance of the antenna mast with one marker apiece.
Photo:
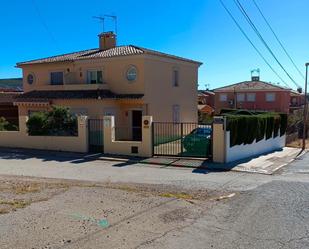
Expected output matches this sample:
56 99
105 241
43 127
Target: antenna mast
101 19
115 21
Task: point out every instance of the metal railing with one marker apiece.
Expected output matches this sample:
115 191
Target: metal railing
182 139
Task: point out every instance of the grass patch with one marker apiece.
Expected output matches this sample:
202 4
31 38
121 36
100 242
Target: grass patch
4 211
15 203
27 188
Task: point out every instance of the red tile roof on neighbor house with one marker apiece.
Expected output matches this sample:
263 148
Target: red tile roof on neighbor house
109 53
251 86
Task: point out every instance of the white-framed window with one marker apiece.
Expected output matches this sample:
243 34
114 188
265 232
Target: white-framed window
270 97
175 77
56 78
95 77
176 113
240 97
223 97
251 97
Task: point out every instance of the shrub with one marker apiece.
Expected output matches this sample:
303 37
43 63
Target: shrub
56 122
7 126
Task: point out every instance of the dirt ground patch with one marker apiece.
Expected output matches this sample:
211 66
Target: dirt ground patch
46 213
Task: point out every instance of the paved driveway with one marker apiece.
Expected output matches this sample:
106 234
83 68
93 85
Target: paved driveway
62 166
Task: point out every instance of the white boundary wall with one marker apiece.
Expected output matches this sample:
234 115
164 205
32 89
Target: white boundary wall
239 152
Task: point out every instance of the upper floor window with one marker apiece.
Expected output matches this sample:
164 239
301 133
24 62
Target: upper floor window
223 97
95 77
251 97
270 97
175 77
240 97
30 78
131 73
56 78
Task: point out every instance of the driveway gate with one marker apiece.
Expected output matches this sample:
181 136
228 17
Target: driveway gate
182 139
95 135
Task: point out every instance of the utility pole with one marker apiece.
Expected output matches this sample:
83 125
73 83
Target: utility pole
305 109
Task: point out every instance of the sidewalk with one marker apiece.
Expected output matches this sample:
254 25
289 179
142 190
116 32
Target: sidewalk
265 164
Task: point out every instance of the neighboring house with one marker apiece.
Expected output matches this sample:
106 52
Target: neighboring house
253 95
297 101
206 97
11 85
206 101
124 81
9 89
7 108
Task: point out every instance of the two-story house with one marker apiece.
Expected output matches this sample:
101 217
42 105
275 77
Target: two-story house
253 95
124 81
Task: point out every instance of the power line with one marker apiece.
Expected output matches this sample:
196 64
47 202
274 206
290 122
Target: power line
277 38
252 44
244 13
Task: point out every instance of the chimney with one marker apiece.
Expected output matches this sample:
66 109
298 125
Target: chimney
107 40
255 78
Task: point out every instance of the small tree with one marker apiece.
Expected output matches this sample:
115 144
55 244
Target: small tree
56 122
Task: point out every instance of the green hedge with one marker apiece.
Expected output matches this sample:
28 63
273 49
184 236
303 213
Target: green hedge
56 122
245 128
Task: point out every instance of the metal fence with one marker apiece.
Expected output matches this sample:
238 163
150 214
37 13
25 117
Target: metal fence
182 139
95 135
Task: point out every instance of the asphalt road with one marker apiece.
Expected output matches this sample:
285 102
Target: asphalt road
274 215
266 212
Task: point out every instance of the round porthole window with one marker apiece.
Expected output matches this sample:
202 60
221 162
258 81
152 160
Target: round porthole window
30 78
132 73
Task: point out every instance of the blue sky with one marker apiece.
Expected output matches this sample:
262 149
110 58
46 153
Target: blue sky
200 30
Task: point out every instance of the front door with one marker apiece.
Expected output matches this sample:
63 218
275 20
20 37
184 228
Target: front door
137 125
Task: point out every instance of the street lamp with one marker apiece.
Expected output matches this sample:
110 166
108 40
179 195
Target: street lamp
305 108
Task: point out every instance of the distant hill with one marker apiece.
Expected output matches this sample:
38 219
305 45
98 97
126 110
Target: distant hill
12 83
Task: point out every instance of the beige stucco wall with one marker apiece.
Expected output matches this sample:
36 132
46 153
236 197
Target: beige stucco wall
124 147
154 80
20 139
161 95
114 75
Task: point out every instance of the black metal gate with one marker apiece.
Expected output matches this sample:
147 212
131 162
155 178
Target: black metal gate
95 135
182 139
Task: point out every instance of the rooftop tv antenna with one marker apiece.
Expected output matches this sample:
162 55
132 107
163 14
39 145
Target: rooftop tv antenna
114 19
101 19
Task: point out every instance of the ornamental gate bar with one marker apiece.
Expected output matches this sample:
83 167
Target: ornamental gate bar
95 135
182 139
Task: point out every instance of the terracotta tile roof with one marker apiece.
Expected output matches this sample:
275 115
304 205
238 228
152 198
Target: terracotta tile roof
7 98
97 54
45 96
250 86
12 84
